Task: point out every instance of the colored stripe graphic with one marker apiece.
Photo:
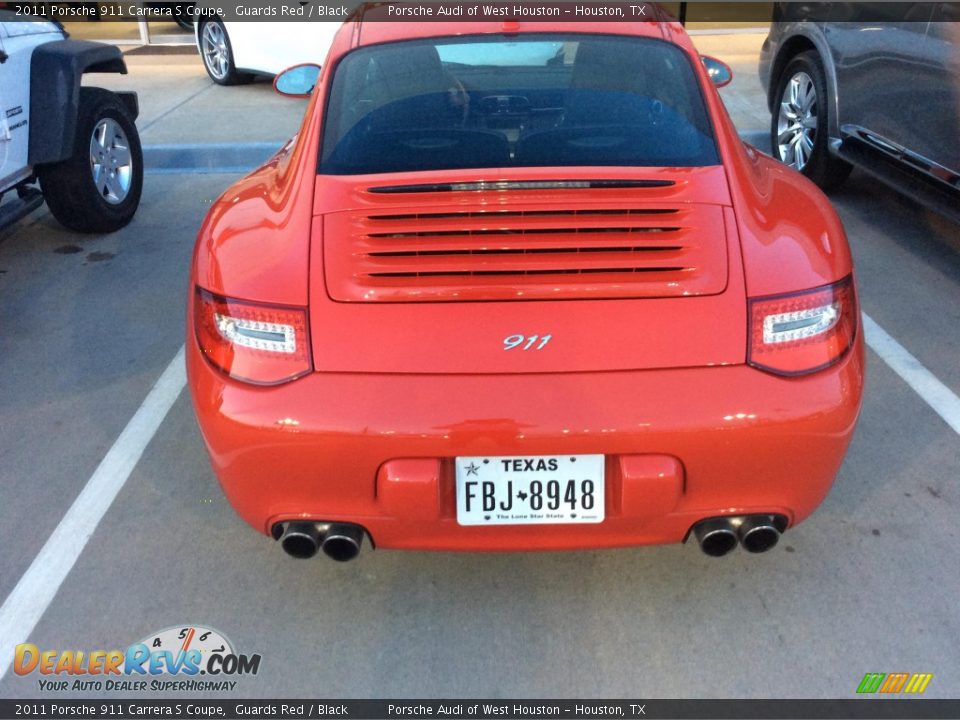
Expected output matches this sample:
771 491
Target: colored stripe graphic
914 683
871 682
918 682
894 682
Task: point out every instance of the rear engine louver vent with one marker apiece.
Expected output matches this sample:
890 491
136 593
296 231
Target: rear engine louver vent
525 254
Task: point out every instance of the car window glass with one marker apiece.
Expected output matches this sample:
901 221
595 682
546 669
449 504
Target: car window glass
490 101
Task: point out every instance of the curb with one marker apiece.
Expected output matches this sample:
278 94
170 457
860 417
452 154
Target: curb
207 158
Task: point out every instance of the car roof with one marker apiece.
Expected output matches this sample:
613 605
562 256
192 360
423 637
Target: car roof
373 32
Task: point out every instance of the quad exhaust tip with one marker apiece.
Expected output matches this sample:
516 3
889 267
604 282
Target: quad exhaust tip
717 537
755 533
342 542
302 539
758 534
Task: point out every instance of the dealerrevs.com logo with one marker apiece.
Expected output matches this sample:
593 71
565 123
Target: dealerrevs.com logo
172 660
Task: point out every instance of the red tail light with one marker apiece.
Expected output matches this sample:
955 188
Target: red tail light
803 332
260 344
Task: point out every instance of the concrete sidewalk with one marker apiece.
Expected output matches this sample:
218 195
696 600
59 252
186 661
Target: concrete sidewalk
745 98
179 104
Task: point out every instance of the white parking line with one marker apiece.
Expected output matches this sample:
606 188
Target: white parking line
34 592
937 395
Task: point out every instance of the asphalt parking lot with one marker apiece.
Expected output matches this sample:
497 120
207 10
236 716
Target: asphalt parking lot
88 325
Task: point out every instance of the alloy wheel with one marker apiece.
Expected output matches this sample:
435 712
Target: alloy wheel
797 121
110 161
215 53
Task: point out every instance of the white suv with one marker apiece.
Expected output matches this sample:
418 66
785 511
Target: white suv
81 143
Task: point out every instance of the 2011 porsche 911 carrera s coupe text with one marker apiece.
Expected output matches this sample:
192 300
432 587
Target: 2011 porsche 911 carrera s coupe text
520 286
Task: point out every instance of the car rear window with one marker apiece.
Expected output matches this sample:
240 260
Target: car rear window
495 101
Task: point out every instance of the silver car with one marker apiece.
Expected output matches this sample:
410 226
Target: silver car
850 84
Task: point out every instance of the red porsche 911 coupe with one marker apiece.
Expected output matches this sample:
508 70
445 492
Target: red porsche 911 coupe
520 286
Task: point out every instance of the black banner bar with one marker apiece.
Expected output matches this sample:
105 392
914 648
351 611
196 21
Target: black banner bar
874 707
474 10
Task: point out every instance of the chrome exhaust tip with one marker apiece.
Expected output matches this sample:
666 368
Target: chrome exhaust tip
758 533
342 542
716 536
300 539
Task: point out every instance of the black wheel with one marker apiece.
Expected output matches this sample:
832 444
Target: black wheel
799 125
98 188
217 54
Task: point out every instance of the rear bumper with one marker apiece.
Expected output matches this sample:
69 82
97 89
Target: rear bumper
377 450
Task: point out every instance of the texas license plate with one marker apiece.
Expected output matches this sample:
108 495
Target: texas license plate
530 490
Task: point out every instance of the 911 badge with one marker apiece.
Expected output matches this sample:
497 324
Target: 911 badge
526 342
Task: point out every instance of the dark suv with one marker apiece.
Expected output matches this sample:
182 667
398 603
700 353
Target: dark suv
871 86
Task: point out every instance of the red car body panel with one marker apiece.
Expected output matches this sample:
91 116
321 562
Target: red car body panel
745 441
654 379
408 327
